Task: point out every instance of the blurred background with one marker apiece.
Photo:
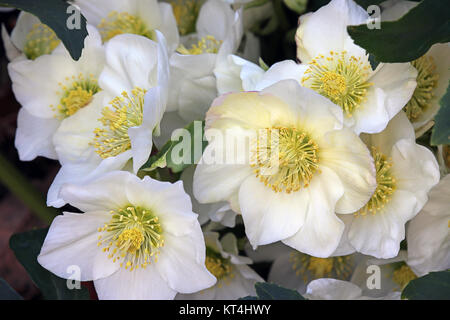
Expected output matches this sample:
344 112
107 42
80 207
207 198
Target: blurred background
14 215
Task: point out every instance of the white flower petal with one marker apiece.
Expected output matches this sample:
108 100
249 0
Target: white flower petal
322 229
379 235
326 30
72 241
139 284
183 258
34 136
270 216
345 154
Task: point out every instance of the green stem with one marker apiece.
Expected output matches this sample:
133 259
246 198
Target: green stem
25 191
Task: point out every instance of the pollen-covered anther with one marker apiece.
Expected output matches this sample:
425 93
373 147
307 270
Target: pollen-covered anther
220 267
126 112
122 22
207 44
341 78
427 80
76 93
39 41
311 268
285 159
133 236
386 185
186 13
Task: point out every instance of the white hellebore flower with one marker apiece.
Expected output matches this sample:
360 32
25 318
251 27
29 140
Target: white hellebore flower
340 70
53 88
332 289
405 173
137 239
433 73
120 126
140 17
428 234
193 85
29 39
287 187
234 278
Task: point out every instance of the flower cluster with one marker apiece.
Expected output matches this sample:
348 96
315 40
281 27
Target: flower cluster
317 157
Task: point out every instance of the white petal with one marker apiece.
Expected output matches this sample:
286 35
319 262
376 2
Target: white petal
270 216
75 135
415 169
345 154
168 201
322 31
322 230
372 116
287 69
398 128
131 62
139 284
332 289
215 18
283 273
34 136
106 193
168 26
183 258
24 24
398 81
11 51
379 235
72 241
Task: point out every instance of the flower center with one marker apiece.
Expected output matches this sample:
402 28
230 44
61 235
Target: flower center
284 159
303 264
221 268
186 13
341 78
427 81
403 275
207 44
39 41
385 184
126 112
75 95
132 237
118 23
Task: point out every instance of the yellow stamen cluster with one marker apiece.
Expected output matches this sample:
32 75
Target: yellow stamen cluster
386 184
284 159
126 112
341 78
75 94
403 275
427 80
207 44
311 268
133 237
39 41
220 267
118 23
186 13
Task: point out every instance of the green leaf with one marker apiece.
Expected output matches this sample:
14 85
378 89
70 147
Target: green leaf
441 130
408 38
55 14
366 3
299 6
173 149
270 291
433 286
8 293
26 247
